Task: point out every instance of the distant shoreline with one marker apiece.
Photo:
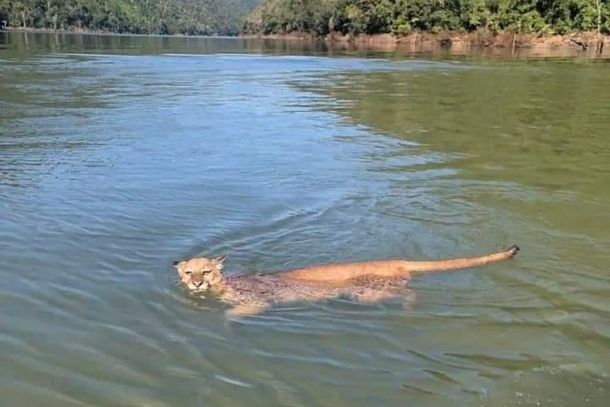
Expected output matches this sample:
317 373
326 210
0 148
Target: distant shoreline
573 44
101 32
580 44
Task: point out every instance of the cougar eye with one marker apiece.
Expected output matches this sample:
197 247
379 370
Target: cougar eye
207 271
188 272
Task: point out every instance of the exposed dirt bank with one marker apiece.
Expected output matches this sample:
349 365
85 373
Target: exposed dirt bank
569 45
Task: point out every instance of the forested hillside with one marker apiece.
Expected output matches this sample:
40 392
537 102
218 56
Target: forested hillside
132 16
404 16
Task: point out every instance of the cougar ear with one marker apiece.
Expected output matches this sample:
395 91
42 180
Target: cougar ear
220 259
177 263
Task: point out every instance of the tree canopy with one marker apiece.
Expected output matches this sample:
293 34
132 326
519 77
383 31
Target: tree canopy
404 16
311 16
129 16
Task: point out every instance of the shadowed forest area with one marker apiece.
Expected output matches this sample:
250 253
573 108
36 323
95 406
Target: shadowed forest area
203 17
321 17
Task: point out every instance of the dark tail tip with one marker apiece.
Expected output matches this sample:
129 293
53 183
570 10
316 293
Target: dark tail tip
513 250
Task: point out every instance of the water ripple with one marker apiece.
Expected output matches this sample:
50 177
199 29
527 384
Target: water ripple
113 166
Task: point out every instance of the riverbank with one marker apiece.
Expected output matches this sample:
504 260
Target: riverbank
584 44
78 31
575 45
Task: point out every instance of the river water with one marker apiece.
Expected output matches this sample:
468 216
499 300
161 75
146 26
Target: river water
119 155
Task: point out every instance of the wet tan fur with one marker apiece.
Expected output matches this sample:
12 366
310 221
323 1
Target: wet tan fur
370 281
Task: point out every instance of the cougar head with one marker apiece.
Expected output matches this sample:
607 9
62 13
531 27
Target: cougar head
201 273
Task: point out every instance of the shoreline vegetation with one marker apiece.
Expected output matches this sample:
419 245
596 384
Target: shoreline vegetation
496 27
451 24
165 17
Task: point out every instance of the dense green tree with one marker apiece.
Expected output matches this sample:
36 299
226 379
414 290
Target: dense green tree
136 16
313 16
404 16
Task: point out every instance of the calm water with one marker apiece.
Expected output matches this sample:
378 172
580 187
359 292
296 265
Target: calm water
119 155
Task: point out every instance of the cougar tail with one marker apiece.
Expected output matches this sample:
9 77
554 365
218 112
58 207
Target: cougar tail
417 267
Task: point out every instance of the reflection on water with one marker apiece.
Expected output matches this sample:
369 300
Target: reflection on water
112 166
